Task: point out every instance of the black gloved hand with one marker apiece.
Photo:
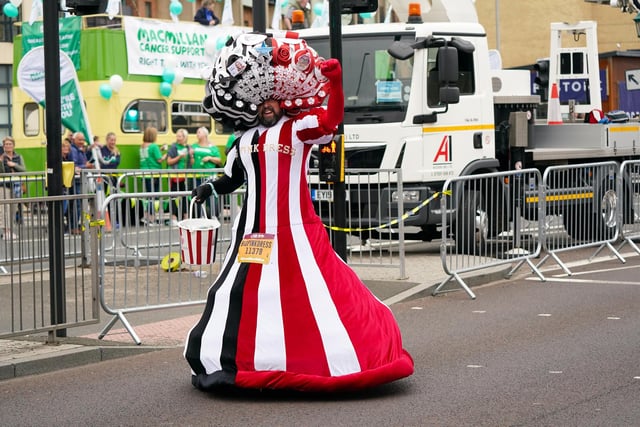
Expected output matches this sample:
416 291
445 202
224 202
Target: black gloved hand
202 192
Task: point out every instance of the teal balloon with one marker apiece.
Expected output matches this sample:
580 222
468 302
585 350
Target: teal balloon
106 91
165 89
317 9
284 4
175 8
10 10
191 1
366 15
168 75
221 42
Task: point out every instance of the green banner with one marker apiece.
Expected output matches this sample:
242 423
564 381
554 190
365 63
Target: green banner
31 79
69 28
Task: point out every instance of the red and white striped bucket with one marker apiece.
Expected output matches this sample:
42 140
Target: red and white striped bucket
198 237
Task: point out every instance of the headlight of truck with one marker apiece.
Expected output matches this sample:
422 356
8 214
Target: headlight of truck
407 196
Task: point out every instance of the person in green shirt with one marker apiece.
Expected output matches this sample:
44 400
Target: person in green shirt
151 158
179 156
205 154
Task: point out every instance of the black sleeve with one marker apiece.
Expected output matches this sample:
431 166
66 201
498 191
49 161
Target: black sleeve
228 184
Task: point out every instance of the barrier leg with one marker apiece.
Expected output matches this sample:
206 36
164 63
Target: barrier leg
120 316
461 282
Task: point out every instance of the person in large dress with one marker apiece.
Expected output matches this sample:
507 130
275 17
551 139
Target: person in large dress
285 312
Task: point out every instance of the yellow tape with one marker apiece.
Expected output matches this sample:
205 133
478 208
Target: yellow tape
171 262
395 221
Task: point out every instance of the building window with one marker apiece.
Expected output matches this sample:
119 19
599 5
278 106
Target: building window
5 100
148 9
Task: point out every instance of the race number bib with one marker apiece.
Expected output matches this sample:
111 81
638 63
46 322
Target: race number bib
255 248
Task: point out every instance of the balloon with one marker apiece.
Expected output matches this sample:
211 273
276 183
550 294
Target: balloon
115 82
175 8
210 46
168 75
171 62
179 77
10 10
317 9
366 15
191 1
105 91
221 42
16 3
165 89
284 4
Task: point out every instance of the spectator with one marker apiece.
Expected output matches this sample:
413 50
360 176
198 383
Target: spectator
302 5
13 162
151 158
205 156
110 157
179 156
67 156
205 15
78 150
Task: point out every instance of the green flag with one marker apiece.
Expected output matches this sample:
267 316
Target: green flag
31 79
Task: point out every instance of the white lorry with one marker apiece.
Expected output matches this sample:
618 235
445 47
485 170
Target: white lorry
425 96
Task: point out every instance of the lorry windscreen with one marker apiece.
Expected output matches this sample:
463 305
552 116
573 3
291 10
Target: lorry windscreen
376 86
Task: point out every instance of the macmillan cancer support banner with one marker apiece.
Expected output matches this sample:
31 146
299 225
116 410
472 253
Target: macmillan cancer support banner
69 29
150 43
31 79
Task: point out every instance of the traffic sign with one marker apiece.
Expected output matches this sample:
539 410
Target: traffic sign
632 78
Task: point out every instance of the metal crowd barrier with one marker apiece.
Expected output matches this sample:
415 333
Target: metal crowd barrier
140 246
140 267
490 220
629 213
28 304
585 200
375 228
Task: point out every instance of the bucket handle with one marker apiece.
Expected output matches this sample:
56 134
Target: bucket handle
191 211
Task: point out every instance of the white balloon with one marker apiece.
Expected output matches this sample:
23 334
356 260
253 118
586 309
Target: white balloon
205 73
16 3
171 62
179 77
210 46
116 82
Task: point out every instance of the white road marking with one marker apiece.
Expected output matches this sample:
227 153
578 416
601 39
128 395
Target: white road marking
613 318
475 366
555 372
416 308
604 270
479 311
544 315
589 281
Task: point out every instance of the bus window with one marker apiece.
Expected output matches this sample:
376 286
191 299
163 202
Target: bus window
221 129
144 113
188 115
31 119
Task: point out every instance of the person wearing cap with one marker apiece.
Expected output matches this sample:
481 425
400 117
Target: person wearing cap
290 23
285 312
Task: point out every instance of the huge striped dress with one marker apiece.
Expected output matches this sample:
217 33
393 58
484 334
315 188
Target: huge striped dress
302 321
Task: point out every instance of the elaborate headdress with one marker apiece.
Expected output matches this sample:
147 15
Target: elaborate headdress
255 67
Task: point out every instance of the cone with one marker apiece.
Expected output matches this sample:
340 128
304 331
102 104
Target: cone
554 117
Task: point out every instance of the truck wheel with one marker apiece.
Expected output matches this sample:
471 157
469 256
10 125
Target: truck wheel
479 218
599 222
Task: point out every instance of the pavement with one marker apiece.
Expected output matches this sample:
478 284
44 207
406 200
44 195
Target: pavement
168 328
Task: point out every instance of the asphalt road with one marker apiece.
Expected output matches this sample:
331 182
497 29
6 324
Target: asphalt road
560 353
